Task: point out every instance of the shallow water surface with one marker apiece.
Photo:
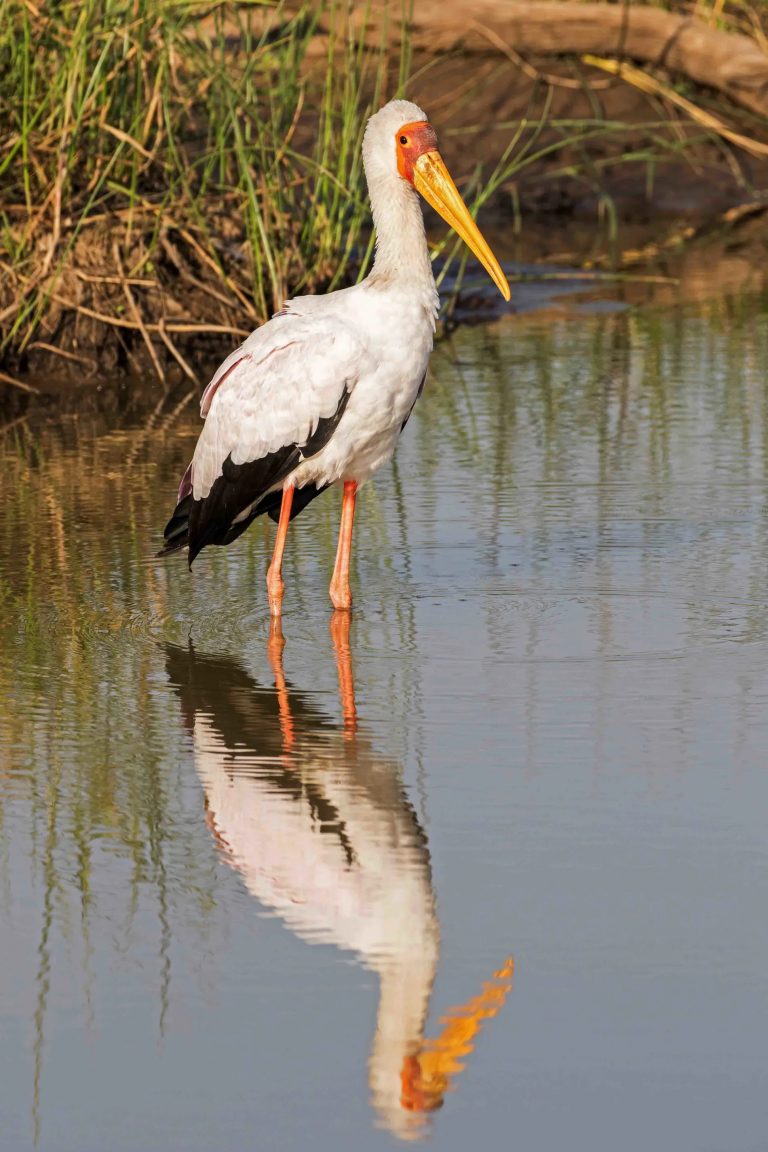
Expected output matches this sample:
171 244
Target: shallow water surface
486 864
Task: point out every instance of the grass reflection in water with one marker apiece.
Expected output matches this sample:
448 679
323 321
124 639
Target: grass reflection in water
615 466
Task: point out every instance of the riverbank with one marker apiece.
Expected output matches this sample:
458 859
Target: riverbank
170 179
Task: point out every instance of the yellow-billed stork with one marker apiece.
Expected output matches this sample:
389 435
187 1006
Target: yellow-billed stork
321 393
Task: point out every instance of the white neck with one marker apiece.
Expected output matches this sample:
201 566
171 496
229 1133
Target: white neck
401 243
403 1001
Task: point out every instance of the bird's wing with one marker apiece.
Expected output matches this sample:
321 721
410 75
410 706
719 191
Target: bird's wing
274 402
279 391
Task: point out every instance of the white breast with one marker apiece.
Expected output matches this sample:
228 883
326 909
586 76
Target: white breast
397 325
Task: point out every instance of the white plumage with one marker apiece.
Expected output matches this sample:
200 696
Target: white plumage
254 410
321 392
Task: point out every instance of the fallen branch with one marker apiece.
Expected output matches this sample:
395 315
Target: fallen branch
43 346
729 62
649 84
136 314
173 326
6 379
182 363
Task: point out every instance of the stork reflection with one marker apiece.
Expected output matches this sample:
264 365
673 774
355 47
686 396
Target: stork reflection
318 824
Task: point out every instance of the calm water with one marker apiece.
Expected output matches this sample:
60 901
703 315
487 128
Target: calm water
488 867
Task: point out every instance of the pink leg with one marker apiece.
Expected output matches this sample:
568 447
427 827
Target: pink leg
275 585
341 595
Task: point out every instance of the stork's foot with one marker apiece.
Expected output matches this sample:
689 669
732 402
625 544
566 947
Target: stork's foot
275 590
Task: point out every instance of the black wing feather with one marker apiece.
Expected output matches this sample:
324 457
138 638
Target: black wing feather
213 520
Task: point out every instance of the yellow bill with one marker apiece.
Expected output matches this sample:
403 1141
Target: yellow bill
433 181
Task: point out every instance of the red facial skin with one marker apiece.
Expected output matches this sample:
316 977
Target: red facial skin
412 141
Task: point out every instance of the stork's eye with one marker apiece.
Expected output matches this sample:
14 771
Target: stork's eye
403 139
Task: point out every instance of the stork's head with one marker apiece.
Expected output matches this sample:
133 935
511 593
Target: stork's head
401 145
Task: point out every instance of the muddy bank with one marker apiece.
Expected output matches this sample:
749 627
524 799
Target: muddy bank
602 176
553 271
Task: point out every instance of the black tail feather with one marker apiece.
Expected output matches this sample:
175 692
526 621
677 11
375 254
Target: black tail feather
241 492
176 531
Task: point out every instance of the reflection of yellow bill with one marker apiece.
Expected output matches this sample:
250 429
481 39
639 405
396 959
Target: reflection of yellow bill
428 1074
433 181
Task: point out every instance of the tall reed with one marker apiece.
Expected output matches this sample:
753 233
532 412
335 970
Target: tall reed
172 170
192 152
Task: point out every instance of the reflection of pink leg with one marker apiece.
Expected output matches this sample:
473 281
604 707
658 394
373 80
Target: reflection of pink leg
275 585
275 646
340 637
341 594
